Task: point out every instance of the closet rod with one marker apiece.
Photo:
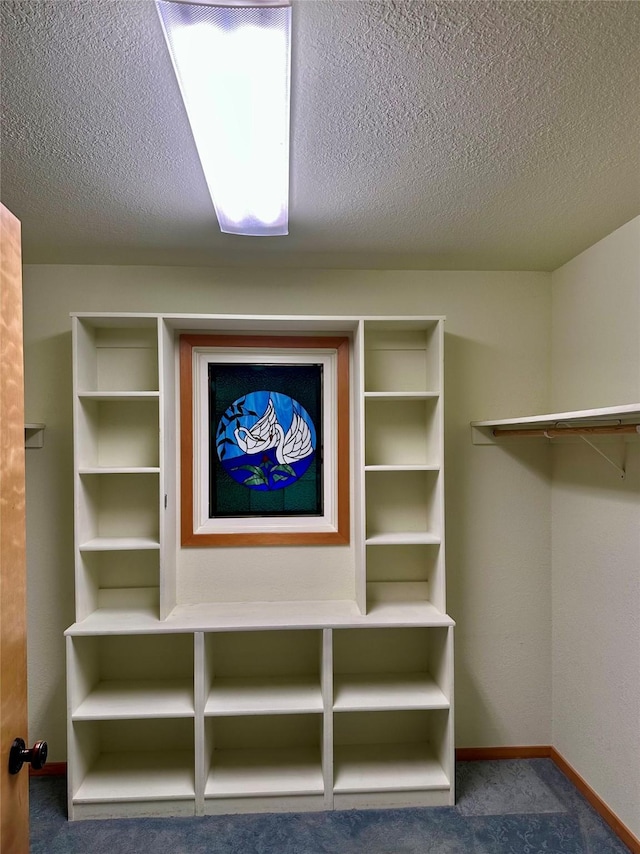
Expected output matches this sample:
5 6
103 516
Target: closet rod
556 432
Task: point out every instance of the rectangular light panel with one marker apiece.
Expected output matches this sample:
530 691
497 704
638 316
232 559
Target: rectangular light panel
233 67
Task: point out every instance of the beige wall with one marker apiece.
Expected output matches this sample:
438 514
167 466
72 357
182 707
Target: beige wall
596 525
497 363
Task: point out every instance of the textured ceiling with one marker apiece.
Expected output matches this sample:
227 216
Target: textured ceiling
469 135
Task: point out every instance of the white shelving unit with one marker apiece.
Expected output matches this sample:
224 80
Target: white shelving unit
178 709
403 530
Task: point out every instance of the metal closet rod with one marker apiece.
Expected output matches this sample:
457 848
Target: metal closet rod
556 432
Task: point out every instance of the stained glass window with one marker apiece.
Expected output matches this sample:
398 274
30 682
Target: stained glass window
265 443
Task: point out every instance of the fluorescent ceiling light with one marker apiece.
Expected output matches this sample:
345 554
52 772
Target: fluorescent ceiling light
233 66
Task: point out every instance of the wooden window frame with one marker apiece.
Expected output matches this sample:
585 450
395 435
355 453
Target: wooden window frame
339 535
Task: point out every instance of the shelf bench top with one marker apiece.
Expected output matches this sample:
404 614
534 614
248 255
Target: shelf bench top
261 616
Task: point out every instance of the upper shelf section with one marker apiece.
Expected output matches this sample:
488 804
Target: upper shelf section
117 358
400 361
608 420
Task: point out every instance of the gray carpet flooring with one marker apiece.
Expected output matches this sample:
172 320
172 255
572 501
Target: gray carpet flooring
503 807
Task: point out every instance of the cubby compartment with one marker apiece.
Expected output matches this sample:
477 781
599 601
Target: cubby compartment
258 673
403 507
402 431
402 356
263 757
131 767
390 752
131 578
391 668
117 354
131 676
117 432
405 572
118 510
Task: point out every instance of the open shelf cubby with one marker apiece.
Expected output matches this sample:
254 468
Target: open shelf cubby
402 431
402 356
132 767
258 673
117 355
117 432
106 575
385 669
379 752
116 507
406 572
131 676
264 756
403 507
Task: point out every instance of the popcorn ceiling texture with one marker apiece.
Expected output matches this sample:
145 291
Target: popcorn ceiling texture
470 135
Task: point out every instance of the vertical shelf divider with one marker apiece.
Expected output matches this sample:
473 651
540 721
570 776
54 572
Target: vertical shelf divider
359 456
200 689
168 497
450 758
327 724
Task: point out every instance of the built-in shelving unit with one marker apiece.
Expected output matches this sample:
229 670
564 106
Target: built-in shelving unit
183 709
403 454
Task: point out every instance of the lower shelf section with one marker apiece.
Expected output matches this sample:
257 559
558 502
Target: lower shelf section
269 720
132 767
251 773
387 768
144 776
141 699
265 804
392 751
393 800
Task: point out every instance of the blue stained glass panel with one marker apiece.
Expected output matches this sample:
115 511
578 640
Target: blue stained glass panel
265 441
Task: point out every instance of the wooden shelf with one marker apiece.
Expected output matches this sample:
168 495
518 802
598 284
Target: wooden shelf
387 691
401 395
102 544
394 538
144 776
406 613
143 699
398 591
263 615
305 615
407 467
122 610
482 431
118 395
254 696
390 604
387 767
119 470
251 773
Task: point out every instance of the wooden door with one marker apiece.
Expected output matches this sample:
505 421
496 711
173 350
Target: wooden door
14 788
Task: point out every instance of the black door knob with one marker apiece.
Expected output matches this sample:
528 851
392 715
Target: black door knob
20 753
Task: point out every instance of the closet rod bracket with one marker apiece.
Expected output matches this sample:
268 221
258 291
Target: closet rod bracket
619 469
